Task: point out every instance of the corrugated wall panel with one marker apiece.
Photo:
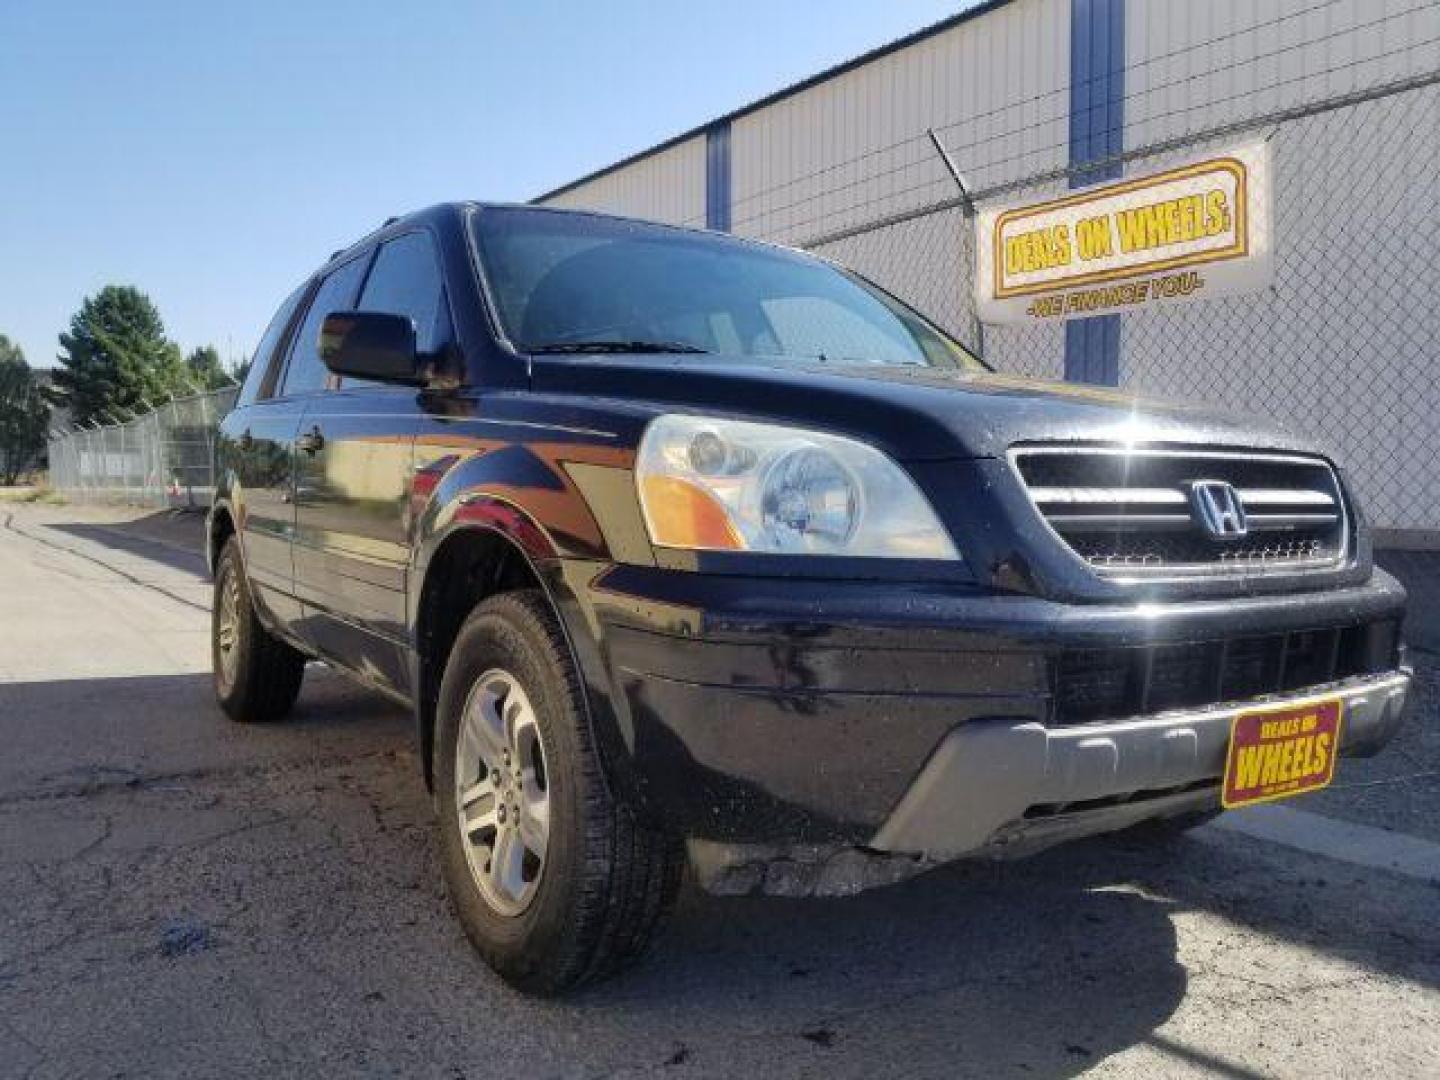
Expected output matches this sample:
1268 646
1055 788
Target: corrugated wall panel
1192 66
666 186
853 148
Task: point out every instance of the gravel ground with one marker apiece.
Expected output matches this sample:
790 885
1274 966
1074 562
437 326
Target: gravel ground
187 898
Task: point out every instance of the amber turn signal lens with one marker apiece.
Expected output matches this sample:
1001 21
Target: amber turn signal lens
684 515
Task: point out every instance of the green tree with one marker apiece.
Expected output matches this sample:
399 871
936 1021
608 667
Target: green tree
23 413
206 368
116 359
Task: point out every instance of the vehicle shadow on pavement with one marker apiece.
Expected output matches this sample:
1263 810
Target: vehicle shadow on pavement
1044 965
1041 967
975 970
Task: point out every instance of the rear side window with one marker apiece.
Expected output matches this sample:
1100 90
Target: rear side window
405 280
261 363
305 373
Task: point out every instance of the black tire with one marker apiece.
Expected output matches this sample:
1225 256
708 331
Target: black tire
260 678
608 880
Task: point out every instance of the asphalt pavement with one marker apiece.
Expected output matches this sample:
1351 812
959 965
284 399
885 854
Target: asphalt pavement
184 897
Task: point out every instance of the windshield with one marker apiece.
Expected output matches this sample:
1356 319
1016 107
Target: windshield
585 283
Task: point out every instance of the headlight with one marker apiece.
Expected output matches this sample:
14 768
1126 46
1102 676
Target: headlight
727 485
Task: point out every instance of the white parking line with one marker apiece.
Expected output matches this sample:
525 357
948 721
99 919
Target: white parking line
1360 845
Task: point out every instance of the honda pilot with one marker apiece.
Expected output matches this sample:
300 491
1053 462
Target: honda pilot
687 551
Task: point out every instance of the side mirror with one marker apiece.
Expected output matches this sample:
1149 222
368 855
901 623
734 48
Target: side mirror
371 345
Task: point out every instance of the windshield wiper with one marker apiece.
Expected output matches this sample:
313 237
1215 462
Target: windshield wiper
617 347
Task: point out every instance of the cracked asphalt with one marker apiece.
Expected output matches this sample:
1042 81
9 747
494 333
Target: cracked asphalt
183 897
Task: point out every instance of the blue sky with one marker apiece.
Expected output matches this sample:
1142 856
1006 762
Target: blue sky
214 153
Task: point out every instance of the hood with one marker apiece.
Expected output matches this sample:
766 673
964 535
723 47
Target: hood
913 413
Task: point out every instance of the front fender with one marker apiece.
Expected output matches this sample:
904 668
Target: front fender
455 491
481 494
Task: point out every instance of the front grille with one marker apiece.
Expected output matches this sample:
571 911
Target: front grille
1096 685
1133 513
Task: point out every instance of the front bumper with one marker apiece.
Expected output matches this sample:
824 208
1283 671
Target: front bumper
773 712
997 790
997 784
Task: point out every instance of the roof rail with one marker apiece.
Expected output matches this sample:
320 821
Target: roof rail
390 221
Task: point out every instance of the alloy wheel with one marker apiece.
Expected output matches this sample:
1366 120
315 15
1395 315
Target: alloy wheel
502 793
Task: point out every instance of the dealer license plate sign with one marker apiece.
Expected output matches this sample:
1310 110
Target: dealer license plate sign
1279 752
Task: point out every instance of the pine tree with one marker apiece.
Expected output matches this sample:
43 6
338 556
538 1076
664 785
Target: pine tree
116 359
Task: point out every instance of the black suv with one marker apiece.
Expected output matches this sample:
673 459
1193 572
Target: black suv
688 549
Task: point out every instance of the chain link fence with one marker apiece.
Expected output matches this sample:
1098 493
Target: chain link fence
162 459
1342 346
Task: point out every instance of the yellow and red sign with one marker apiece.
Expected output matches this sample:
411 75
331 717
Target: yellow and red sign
1199 230
1276 753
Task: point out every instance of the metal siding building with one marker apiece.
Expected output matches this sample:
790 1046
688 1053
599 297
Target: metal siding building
667 185
1030 97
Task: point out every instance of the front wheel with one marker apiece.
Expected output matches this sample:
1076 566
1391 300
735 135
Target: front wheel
553 875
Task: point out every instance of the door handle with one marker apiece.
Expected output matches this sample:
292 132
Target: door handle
312 442
246 440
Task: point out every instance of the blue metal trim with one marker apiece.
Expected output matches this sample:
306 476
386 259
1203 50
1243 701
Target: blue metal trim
1097 132
717 177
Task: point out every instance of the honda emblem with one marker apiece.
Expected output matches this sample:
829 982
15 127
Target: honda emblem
1218 509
